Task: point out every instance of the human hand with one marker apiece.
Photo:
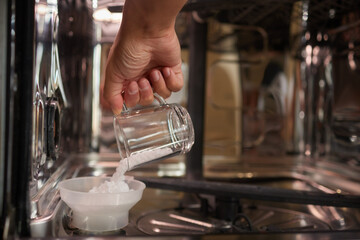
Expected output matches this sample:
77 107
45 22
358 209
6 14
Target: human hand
138 66
145 56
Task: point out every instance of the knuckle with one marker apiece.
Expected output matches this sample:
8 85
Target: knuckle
146 100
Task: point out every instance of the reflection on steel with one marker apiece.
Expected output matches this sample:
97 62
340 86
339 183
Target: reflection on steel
190 220
48 90
66 76
4 115
76 44
173 225
263 217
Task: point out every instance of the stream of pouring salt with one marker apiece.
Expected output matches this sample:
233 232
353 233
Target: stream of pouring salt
117 183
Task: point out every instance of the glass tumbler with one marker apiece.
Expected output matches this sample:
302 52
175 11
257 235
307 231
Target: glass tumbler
153 133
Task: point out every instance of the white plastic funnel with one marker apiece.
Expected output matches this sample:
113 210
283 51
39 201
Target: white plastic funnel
99 211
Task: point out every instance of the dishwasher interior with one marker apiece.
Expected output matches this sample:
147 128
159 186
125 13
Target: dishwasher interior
272 89
172 205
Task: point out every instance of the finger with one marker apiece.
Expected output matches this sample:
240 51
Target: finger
174 82
158 83
112 94
146 93
131 94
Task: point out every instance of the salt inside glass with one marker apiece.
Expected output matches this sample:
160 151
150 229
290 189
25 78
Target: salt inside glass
153 133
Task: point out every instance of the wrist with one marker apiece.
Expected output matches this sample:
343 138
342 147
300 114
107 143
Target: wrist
150 18
145 30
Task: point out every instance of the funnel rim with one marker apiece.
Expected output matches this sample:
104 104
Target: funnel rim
127 179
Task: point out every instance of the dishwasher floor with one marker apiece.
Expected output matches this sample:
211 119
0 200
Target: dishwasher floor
163 212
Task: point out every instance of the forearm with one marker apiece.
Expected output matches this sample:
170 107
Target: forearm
151 18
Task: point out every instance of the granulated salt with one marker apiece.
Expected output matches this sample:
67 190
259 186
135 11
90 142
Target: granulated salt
117 182
147 156
111 187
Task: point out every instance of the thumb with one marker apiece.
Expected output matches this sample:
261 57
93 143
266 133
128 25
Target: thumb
103 103
113 95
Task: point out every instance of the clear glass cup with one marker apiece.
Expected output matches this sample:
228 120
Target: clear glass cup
153 133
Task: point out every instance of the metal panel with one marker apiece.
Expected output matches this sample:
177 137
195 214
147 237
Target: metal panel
3 84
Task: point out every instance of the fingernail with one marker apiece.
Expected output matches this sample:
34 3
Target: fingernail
166 72
143 85
155 75
116 111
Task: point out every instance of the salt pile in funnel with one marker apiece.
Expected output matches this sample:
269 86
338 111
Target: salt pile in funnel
99 211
